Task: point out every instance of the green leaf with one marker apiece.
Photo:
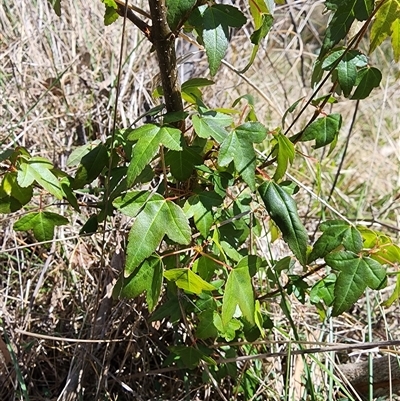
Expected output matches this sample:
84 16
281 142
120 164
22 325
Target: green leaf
368 79
228 331
159 217
41 223
396 40
190 356
206 328
178 11
92 164
337 30
215 34
182 163
238 146
150 137
205 267
110 16
386 18
323 290
356 273
212 124
11 187
395 295
347 76
188 281
8 205
261 32
345 14
148 277
285 155
38 169
131 203
56 4
77 154
238 292
324 130
66 184
200 207
336 233
283 211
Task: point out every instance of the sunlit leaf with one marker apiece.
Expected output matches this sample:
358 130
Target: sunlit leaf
215 34
188 281
324 130
159 217
149 138
336 233
356 273
238 147
39 169
382 25
285 155
238 292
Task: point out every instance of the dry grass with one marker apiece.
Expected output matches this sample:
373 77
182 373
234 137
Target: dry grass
57 91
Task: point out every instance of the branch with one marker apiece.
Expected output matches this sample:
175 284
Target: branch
145 28
164 43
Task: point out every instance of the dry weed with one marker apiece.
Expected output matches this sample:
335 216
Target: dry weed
57 83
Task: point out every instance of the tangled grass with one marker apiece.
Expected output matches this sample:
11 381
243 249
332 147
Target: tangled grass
64 338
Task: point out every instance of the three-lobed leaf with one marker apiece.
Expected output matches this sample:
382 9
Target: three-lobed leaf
216 21
334 234
149 138
155 218
42 224
238 147
39 169
356 273
324 130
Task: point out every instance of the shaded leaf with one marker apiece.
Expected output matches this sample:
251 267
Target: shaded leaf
92 164
200 207
182 163
178 11
206 327
368 79
148 278
41 223
283 211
